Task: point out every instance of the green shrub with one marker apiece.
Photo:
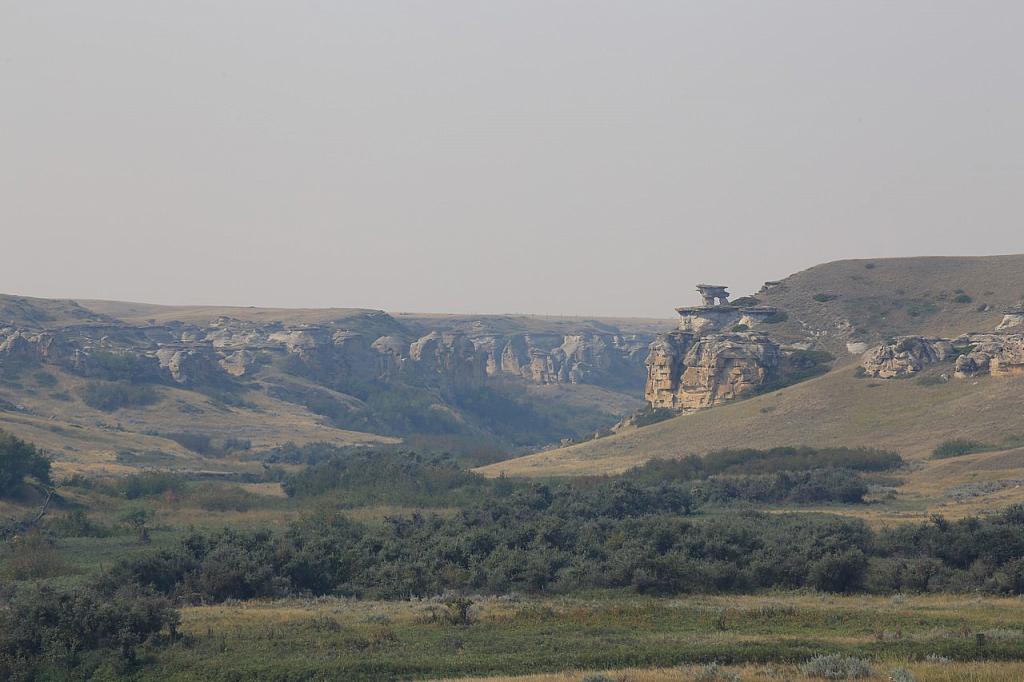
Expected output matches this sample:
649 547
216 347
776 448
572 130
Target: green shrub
962 298
824 298
900 675
32 556
108 396
76 524
836 667
44 379
956 447
43 632
19 460
652 415
207 446
776 317
146 484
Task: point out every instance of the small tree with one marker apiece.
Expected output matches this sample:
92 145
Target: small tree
137 519
18 460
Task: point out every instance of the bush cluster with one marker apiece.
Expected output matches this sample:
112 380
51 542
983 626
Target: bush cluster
109 396
18 460
612 534
47 634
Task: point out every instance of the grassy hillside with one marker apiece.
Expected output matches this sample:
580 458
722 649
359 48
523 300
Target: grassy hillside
835 409
26 311
870 300
83 439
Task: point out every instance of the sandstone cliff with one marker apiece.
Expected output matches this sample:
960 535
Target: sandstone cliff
228 348
689 372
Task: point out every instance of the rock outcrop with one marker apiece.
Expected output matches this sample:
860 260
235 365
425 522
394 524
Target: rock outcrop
1014 317
712 357
997 354
690 372
228 348
906 355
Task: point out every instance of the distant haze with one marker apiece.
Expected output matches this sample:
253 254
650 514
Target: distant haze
485 156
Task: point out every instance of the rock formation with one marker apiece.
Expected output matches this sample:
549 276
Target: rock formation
1014 317
906 355
999 353
995 354
229 348
701 364
690 372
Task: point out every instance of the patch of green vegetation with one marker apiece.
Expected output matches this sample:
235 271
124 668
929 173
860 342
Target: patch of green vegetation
50 634
955 447
109 396
652 415
824 298
20 460
922 309
44 379
207 445
754 461
371 477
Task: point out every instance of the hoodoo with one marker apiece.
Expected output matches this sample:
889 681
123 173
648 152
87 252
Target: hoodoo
713 356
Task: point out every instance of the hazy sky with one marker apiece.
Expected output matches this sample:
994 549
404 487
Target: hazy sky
483 156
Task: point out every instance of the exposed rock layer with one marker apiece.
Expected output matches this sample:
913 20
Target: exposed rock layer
690 372
998 354
229 348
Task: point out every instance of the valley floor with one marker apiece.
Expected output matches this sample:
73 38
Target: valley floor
633 639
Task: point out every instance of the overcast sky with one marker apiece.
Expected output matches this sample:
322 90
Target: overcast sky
483 156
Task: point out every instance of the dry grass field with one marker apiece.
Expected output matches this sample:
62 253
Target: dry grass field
874 299
761 637
977 671
835 409
85 440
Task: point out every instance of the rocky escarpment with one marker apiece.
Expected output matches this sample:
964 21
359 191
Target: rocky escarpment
690 372
1000 353
228 348
718 354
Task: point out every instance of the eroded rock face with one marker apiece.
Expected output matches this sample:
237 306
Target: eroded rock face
689 372
995 354
191 366
1012 318
906 355
606 359
972 355
229 348
451 357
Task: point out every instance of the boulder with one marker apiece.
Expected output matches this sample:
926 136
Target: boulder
906 355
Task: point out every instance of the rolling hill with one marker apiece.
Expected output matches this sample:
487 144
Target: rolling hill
868 301
855 302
